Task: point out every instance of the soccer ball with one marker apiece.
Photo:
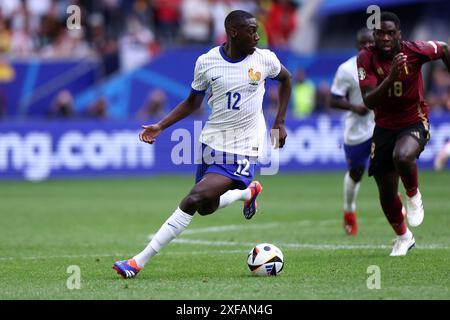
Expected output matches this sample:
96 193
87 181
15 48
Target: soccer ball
265 259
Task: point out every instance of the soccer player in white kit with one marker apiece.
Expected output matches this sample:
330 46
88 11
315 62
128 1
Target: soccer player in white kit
359 124
442 157
234 133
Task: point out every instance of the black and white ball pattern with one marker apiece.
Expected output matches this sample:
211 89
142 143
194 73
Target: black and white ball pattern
265 259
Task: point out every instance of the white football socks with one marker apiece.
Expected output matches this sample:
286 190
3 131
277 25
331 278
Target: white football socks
407 235
178 222
351 189
173 226
233 195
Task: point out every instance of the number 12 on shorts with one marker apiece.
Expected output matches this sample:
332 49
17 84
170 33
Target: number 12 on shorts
243 166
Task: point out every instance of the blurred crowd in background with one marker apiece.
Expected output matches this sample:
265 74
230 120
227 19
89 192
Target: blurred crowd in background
126 34
132 30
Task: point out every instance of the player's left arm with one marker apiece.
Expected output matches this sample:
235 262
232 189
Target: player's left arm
284 94
445 54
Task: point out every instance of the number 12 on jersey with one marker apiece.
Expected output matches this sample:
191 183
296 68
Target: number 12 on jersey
233 100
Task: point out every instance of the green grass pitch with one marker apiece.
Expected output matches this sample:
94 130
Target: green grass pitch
47 227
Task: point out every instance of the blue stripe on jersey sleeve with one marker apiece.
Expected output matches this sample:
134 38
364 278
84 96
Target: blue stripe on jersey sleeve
338 96
193 91
277 77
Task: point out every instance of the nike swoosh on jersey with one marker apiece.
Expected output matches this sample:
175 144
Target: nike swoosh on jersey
215 78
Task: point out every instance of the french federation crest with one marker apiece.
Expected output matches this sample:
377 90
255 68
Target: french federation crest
255 77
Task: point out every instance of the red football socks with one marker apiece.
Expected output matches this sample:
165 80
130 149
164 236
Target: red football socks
392 209
411 181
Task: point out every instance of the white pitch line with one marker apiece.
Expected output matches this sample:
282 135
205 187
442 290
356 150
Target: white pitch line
313 246
231 227
244 226
237 227
230 243
112 255
305 245
63 256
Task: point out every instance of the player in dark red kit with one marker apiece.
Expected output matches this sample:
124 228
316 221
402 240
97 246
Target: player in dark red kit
391 84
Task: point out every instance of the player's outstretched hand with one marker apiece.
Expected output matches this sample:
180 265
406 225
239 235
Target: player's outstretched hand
398 64
149 133
278 135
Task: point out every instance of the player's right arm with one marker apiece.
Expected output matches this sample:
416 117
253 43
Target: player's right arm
373 95
339 102
339 90
181 111
445 54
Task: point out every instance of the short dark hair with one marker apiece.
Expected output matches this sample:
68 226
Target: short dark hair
362 32
390 16
237 17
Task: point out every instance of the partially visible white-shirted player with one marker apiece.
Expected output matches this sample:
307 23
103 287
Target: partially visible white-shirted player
358 129
442 157
233 136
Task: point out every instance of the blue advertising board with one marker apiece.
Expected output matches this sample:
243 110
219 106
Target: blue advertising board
38 151
29 87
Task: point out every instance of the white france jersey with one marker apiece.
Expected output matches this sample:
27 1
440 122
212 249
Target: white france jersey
236 123
358 129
